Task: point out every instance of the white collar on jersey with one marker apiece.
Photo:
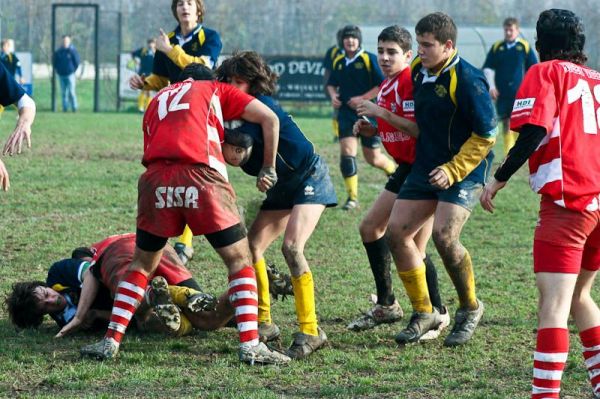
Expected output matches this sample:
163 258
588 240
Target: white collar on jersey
351 60
183 40
429 77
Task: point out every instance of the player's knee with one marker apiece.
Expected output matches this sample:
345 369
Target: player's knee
369 231
348 165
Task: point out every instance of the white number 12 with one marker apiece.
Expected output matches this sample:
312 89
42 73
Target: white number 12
175 104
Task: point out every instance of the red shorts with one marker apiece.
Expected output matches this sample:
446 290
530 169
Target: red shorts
115 261
565 240
173 195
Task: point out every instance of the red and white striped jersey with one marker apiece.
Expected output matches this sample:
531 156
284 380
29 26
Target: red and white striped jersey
564 98
396 96
184 123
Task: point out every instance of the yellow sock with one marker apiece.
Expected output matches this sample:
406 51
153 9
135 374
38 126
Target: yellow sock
336 127
141 101
180 295
186 237
351 184
415 284
510 139
185 328
304 296
148 99
463 278
262 286
390 167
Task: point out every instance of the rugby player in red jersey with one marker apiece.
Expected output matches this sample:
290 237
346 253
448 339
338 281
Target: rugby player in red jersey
557 115
395 124
186 183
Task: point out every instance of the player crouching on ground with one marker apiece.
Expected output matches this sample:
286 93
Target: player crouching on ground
555 112
78 292
395 125
293 206
186 183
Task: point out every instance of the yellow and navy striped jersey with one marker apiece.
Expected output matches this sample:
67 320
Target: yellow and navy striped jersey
450 106
146 57
355 76
510 61
330 55
202 45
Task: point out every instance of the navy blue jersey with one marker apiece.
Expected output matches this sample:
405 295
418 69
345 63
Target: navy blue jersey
146 57
449 107
10 90
12 63
330 55
66 278
294 152
510 61
201 42
356 76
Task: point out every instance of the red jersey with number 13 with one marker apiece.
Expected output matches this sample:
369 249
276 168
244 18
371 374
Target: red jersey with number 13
396 96
563 98
184 123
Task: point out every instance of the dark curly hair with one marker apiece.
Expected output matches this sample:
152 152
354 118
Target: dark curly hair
22 306
250 67
195 71
560 36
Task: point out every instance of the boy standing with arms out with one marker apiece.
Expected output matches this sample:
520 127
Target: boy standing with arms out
395 125
457 129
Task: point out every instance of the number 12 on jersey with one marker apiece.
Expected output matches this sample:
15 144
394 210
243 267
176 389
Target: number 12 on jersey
164 106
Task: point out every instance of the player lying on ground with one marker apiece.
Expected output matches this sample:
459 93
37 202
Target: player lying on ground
294 204
91 276
395 117
556 115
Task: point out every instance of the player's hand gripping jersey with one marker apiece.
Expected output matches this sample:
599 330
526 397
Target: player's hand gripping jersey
184 123
396 96
564 98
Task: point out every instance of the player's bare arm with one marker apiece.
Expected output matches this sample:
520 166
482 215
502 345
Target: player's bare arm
22 130
364 128
354 102
372 110
333 94
89 289
4 180
257 112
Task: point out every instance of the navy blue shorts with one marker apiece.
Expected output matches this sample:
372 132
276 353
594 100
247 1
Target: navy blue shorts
504 106
397 179
464 193
313 186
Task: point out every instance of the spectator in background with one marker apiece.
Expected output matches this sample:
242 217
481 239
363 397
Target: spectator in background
504 68
144 58
10 60
66 62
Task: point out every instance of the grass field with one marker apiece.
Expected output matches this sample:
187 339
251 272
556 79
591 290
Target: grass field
78 185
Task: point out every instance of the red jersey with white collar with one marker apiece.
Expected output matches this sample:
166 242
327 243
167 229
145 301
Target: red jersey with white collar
396 96
564 98
184 123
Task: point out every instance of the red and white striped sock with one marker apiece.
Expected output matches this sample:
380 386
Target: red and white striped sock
590 339
549 362
130 293
244 298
